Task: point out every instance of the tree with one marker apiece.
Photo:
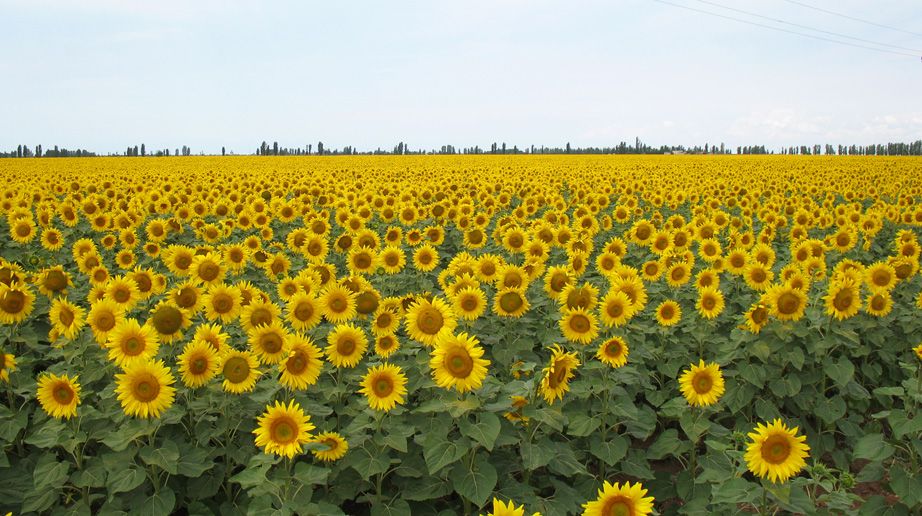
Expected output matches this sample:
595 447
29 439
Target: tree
222 151
568 147
143 150
320 148
275 148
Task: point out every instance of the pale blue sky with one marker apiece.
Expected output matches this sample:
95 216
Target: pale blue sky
105 74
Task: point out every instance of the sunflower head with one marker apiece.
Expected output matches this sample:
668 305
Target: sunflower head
557 374
776 452
283 429
613 352
335 447
59 395
457 363
702 384
384 386
617 500
145 388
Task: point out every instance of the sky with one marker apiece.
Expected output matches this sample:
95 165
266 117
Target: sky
106 74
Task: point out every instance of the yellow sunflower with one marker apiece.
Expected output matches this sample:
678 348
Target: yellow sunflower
756 317
469 303
579 325
776 452
384 386
384 321
843 300
386 345
427 321
560 369
702 384
145 388
710 302
7 365
615 499
124 291
223 302
302 367
338 304
239 369
67 319
425 258
58 395
880 276
502 509
198 363
103 317
668 313
303 311
457 363
510 302
168 320
208 269
336 447
616 308
346 344
15 303
54 281
613 352
879 303
131 342
268 342
213 334
283 429
258 312
918 351
786 303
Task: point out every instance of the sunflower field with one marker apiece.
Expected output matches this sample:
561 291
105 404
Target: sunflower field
500 335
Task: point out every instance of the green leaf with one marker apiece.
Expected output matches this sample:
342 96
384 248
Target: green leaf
251 476
636 465
441 454
192 463
538 455
733 491
873 448
166 456
49 435
40 500
477 483
484 431
398 507
582 425
126 480
308 474
93 474
159 504
667 444
427 488
551 417
396 442
49 473
906 486
889 391
841 371
610 451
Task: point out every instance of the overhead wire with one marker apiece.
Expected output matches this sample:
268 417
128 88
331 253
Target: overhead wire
779 29
853 18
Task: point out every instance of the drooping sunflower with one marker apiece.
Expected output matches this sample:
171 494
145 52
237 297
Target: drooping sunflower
756 317
303 311
198 363
702 384
429 320
239 369
16 302
668 313
843 300
66 318
346 344
469 303
560 369
776 452
58 395
145 388
510 302
386 345
283 429
384 386
223 302
579 325
457 363
710 302
338 304
616 309
302 367
615 499
613 352
786 303
7 365
131 342
336 447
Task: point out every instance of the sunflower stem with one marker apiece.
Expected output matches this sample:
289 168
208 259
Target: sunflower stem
764 508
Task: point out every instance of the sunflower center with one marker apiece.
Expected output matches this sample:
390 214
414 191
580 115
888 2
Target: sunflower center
338 304
183 262
146 387
667 312
788 303
758 275
222 303
304 311
430 320
332 443
386 343
167 320
260 316
366 303
55 281
296 364
384 320
776 449
63 394
708 303
383 387
469 303
558 376
283 431
579 323
133 346
209 271
613 349
843 300
425 258
614 309
759 315
121 295
880 278
13 302
23 230
271 343
362 261
578 298
510 301
345 346
618 506
459 363
878 302
702 383
236 369
187 297
198 365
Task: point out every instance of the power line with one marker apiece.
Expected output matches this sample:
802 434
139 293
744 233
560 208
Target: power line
776 20
847 17
779 29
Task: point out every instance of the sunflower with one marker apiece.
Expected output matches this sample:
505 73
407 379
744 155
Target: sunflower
557 374
103 317
503 509
223 302
786 303
579 325
336 446
239 369
124 291
510 302
758 276
457 362
258 313
616 308
346 345
66 318
668 313
268 342
23 230
615 499
678 274
384 386
168 320
879 303
469 303
756 317
338 304
392 259
710 302
198 363
145 388
386 345
213 334
429 320
613 352
54 281
918 351
58 395
880 276
843 299
702 384
302 367
52 239
776 452
187 296
384 322
15 303
362 260
283 429
303 311
425 258
207 269
131 342
7 365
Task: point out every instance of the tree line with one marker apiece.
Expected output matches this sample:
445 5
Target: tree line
402 148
